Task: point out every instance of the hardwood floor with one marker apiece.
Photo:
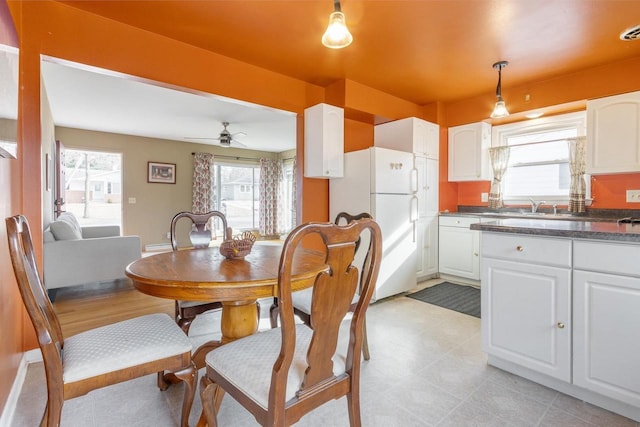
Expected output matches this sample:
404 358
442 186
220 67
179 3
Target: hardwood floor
84 307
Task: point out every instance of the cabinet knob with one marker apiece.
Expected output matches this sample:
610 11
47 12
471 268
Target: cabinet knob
560 325
475 254
519 248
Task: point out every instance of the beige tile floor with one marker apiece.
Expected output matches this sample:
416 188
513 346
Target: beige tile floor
426 369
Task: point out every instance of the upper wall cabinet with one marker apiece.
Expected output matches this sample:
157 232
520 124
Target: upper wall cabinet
412 135
469 152
324 141
613 134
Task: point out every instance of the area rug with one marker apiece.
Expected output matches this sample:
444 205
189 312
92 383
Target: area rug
463 299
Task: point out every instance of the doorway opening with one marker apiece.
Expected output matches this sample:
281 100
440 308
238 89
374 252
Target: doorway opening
93 186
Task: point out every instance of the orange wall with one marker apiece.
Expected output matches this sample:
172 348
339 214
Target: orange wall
11 310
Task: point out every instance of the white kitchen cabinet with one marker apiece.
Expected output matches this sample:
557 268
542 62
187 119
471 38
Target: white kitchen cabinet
427 223
323 141
427 188
526 302
469 152
613 134
411 134
427 246
606 295
459 247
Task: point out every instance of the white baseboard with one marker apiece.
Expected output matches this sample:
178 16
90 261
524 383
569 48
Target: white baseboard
31 356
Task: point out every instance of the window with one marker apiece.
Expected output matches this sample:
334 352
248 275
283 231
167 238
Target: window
87 175
236 195
539 157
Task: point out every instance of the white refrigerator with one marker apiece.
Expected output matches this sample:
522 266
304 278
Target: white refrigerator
383 182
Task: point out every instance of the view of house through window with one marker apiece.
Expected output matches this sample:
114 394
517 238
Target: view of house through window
93 186
539 157
237 196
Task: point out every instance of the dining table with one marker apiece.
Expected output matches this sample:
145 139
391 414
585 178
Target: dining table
206 275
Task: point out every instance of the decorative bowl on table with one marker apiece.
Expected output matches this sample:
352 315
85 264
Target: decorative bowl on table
239 246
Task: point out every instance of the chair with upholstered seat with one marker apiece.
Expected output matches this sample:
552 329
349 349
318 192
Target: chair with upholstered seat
302 299
98 357
199 237
283 373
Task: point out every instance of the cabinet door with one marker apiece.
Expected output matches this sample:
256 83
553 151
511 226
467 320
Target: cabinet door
427 240
324 141
427 191
526 315
468 152
426 140
613 134
459 250
605 335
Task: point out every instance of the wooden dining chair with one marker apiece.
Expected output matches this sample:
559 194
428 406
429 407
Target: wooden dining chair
98 357
199 237
281 374
302 299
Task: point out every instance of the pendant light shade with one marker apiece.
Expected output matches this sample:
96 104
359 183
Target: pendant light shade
337 35
500 109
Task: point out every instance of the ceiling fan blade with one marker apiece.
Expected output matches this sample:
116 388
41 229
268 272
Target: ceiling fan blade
192 137
238 134
238 143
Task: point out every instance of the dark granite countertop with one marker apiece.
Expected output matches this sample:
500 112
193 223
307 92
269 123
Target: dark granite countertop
581 229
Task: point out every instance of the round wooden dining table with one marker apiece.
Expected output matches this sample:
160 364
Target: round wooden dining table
206 275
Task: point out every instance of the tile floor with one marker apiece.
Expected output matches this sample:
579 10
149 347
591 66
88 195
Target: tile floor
426 369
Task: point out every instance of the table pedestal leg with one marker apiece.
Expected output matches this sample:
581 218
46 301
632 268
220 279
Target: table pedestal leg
239 319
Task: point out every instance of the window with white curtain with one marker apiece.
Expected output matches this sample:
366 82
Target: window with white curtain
539 157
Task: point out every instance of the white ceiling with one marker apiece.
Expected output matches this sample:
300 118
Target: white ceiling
89 98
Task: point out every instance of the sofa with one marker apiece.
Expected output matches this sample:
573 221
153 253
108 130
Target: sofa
75 255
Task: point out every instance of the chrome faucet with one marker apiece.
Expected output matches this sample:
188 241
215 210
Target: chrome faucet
535 205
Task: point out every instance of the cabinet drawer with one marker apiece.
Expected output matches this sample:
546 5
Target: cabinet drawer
617 258
458 221
534 250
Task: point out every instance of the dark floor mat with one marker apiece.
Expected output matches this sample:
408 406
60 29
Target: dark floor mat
464 299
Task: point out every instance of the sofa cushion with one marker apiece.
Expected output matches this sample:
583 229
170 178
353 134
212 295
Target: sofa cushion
66 227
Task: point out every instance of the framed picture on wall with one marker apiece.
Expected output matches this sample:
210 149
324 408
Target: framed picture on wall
164 173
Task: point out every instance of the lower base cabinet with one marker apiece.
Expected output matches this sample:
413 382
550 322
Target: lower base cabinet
565 313
526 315
459 247
427 241
606 344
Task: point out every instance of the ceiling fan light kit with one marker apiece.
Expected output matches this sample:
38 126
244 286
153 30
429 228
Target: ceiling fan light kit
500 109
337 35
226 138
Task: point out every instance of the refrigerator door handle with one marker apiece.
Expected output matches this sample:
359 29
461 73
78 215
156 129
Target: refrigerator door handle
413 215
414 180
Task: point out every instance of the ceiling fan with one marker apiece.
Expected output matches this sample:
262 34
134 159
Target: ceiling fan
226 138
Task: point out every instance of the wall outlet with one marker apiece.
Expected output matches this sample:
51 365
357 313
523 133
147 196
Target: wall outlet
484 197
168 234
633 196
132 200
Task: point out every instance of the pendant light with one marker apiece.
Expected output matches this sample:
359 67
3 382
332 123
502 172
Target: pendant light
500 110
337 35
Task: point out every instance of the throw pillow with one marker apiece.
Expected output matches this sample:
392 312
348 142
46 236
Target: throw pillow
66 227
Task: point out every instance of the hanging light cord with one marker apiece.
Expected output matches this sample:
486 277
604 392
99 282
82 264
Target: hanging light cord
336 6
499 86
